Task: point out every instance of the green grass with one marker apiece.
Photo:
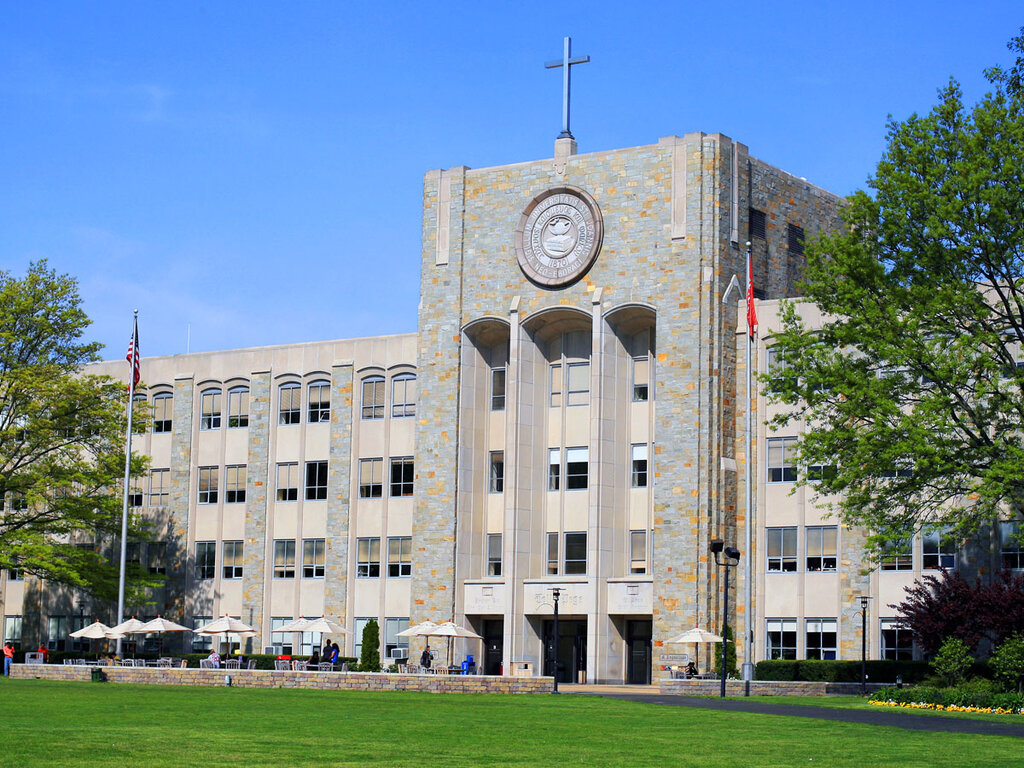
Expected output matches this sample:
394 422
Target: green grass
89 724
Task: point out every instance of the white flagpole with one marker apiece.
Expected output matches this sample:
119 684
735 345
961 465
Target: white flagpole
127 475
748 646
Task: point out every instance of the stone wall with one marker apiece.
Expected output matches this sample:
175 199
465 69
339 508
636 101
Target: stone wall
763 688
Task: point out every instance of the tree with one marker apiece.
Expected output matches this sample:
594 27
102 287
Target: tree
1007 662
953 660
369 654
62 440
730 653
911 387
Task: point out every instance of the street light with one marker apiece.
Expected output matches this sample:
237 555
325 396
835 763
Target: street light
864 644
555 593
731 554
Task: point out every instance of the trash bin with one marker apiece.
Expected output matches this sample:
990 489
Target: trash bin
97 675
581 677
469 665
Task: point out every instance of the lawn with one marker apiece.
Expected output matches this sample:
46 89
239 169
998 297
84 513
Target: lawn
90 724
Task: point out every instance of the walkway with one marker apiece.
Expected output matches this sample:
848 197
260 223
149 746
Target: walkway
880 716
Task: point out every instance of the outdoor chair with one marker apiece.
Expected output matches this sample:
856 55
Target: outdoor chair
439 670
251 664
206 664
232 664
282 665
300 666
412 669
342 667
164 662
325 666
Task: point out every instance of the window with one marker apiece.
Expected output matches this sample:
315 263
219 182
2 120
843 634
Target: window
638 551
210 410
134 496
939 549
232 559
781 459
555 385
641 379
139 412
554 468
360 626
494 554
162 411
781 550
639 470
284 558
208 482
776 363
575 554
577 468
238 407
497 484
234 484
313 558
206 559
201 643
318 402
821 548
316 480
897 556
402 473
403 396
1011 547
758 226
497 389
77 623
368 558
159 487
283 639
12 630
819 472
371 478
553 553
56 632
373 397
399 557
795 240
781 637
821 639
14 574
289 403
288 481
578 392
392 640
156 557
897 640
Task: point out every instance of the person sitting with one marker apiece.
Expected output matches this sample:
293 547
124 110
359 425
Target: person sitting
214 659
315 658
690 670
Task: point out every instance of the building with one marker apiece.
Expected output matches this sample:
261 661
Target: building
568 414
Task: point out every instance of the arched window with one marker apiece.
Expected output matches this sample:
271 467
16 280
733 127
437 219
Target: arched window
289 403
403 395
373 397
210 414
162 411
318 402
238 407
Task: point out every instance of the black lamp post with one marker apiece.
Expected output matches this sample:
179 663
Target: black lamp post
731 554
555 593
864 644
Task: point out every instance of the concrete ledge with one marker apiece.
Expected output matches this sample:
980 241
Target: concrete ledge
763 688
263 678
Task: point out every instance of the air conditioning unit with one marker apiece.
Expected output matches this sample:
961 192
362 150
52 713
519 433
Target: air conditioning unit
399 653
272 650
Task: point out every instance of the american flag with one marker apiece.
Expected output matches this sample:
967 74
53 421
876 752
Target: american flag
133 355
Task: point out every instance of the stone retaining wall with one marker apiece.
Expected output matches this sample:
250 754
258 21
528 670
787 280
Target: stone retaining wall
261 678
763 688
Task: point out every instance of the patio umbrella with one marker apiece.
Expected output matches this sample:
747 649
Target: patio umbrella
696 636
130 627
95 631
160 625
418 630
227 625
323 625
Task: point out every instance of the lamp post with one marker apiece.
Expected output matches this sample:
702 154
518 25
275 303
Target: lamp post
864 644
731 554
555 593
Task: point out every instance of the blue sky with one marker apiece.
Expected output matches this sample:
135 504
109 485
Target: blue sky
254 171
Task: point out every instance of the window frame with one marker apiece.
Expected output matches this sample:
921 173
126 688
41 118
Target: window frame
165 409
292 415
638 476
497 388
399 557
205 560
366 566
494 555
496 475
782 627
943 558
575 566
402 407
553 540
638 560
211 494
641 390
318 411
403 477
238 407
210 413
235 487
315 488
284 559
819 630
787 555
370 408
232 569
827 563
287 493
577 472
314 558
373 486
781 448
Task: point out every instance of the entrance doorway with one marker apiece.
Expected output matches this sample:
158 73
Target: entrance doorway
494 632
638 652
571 649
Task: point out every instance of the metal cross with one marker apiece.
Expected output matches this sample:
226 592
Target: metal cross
566 62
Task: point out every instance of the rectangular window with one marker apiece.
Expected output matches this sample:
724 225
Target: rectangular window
897 640
201 643
554 468
285 640
497 389
56 632
497 481
795 240
776 364
206 559
399 557
553 553
819 472
284 558
403 396
232 559
318 404
1011 548
159 487
210 417
360 625
288 481
641 379
578 390
134 496
392 640
494 554
639 466
781 459
821 548
156 557
555 385
14 574
373 398
368 558
371 478
12 630
575 554
402 474
638 551
897 556
577 468
289 405
316 480
781 550
238 407
939 549
234 484
162 411
209 479
821 639
313 558
781 638
77 623
758 226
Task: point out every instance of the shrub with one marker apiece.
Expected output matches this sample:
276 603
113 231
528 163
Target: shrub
369 657
1007 663
730 653
878 670
953 660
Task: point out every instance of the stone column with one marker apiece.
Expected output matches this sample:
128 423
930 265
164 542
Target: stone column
258 478
339 492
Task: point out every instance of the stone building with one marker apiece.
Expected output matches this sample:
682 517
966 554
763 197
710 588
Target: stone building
569 414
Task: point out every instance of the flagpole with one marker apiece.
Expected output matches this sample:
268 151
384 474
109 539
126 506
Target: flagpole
748 648
134 352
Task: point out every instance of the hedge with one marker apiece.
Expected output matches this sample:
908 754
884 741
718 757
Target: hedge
974 693
878 670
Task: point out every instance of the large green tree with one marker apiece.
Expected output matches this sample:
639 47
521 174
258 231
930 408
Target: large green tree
912 387
62 440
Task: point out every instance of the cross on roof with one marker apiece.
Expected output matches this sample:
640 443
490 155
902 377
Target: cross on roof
566 62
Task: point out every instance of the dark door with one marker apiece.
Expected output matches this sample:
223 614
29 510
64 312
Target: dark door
572 649
494 630
638 652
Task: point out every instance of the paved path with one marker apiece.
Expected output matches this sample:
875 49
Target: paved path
880 716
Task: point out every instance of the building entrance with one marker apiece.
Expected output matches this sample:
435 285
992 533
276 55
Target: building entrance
638 652
493 633
571 649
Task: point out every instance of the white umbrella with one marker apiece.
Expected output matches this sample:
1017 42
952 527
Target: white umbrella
227 625
130 627
95 631
696 636
160 624
295 625
324 625
419 630
447 629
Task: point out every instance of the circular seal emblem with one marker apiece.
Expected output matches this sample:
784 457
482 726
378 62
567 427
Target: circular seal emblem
558 236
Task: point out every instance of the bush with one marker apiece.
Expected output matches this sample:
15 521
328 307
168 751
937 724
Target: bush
730 653
1007 663
953 660
974 693
369 657
878 670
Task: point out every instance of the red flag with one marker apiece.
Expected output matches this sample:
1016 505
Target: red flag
751 312
133 355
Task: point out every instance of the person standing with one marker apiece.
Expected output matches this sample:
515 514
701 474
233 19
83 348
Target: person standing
8 658
425 658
